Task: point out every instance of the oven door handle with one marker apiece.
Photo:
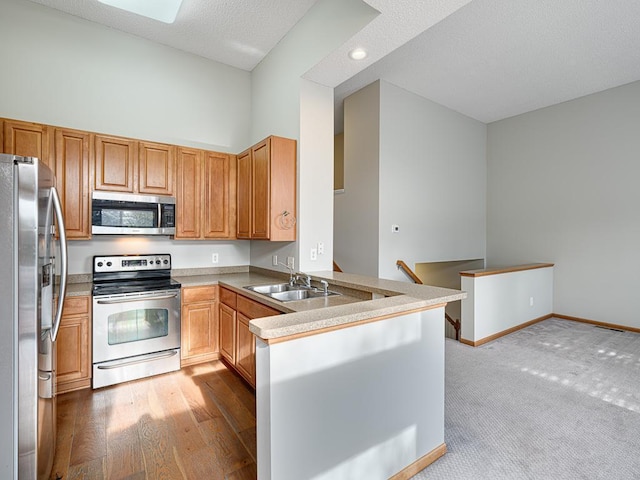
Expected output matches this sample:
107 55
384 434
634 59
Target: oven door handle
136 299
147 358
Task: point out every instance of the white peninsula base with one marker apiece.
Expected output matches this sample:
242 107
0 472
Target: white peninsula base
362 401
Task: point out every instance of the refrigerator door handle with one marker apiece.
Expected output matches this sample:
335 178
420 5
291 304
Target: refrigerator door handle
63 263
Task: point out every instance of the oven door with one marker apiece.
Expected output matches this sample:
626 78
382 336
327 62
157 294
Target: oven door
134 324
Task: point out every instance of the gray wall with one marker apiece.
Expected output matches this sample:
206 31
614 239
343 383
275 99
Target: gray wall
563 188
410 162
432 182
355 215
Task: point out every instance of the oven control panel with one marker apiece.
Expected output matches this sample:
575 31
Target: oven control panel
131 263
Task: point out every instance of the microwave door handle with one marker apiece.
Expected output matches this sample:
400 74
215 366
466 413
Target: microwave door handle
64 264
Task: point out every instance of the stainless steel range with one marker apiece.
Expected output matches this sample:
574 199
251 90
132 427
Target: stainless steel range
136 318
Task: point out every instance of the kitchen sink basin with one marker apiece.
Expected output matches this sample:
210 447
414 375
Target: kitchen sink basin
289 293
275 288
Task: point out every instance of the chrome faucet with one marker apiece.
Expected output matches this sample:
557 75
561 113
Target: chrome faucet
292 275
304 278
325 287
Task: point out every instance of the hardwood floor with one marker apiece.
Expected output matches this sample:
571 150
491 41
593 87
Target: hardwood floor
198 423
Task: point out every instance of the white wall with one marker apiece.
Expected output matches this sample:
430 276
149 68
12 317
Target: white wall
496 303
563 188
433 182
64 71
356 209
357 403
284 105
184 254
316 175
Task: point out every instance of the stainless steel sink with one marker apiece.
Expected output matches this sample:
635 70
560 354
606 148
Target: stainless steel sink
289 293
275 288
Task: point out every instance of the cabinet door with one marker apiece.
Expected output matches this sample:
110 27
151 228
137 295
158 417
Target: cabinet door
199 329
28 140
246 350
73 346
156 168
219 195
260 202
282 193
114 164
72 150
227 318
189 196
244 195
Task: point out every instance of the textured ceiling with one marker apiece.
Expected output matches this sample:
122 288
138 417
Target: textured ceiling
488 59
493 59
235 32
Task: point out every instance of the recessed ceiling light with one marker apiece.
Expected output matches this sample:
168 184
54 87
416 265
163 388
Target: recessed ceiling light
162 10
358 53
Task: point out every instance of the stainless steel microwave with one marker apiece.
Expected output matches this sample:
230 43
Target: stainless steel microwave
129 214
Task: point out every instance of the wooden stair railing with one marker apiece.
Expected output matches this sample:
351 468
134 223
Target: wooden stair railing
411 274
408 271
454 323
336 267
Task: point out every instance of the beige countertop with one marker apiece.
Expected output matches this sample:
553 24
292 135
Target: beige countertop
389 297
362 298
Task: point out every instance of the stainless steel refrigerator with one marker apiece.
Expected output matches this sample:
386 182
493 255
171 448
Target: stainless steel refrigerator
31 257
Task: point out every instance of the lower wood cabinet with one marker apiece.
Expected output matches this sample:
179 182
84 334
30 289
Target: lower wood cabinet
237 343
199 325
73 345
245 350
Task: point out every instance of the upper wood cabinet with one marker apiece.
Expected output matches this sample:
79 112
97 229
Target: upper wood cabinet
266 183
72 152
219 195
189 197
205 195
126 165
243 203
28 140
114 164
156 168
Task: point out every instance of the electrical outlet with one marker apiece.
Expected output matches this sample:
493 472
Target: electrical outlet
274 260
291 262
314 254
320 248
214 258
531 301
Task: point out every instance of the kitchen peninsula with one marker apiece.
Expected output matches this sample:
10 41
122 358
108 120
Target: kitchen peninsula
347 386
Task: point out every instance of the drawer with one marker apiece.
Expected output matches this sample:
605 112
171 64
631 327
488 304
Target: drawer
253 309
228 297
199 294
76 305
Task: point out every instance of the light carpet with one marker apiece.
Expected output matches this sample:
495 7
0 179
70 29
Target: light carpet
557 400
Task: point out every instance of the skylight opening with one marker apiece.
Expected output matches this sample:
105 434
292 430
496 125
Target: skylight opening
161 10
